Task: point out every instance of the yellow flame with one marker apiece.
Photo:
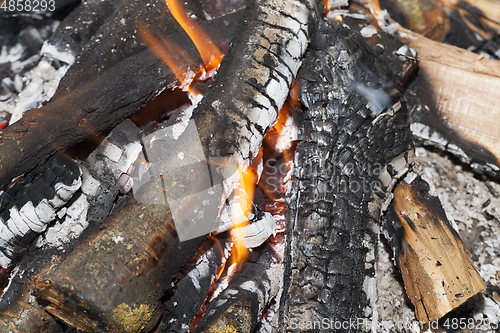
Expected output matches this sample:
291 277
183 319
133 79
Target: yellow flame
338 18
245 192
209 52
177 61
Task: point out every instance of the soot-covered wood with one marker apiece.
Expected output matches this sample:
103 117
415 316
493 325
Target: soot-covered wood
355 143
114 75
241 105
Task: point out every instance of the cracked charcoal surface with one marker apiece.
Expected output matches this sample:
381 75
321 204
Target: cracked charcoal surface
333 204
31 203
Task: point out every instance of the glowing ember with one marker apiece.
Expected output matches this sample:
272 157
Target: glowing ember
326 3
338 18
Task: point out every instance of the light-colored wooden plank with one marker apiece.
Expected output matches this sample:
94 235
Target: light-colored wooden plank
466 88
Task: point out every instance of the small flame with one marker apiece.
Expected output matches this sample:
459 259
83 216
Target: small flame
338 18
209 52
326 3
177 61
245 193
176 58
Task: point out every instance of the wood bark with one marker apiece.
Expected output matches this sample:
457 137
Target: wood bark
240 106
355 143
101 88
437 272
453 102
239 307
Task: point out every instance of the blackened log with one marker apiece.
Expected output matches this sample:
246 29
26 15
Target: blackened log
231 121
31 204
101 88
191 291
438 275
355 143
81 25
239 307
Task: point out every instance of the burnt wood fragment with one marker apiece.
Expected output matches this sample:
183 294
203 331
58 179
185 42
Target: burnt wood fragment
239 307
240 106
102 88
191 291
31 204
355 143
437 272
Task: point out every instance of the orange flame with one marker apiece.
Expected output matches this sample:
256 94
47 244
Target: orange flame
326 3
177 61
338 18
210 53
245 192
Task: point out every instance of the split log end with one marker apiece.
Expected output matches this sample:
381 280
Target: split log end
437 272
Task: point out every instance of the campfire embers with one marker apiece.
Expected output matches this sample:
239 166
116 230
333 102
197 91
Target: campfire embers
202 164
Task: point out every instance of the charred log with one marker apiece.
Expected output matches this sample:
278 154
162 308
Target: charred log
101 88
355 143
228 128
191 291
239 307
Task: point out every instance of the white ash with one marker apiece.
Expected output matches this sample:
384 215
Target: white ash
68 228
393 308
433 138
201 270
270 317
332 4
13 275
257 232
29 219
28 90
368 31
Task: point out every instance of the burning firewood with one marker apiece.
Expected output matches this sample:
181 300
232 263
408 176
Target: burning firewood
100 91
228 125
356 143
239 307
437 272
